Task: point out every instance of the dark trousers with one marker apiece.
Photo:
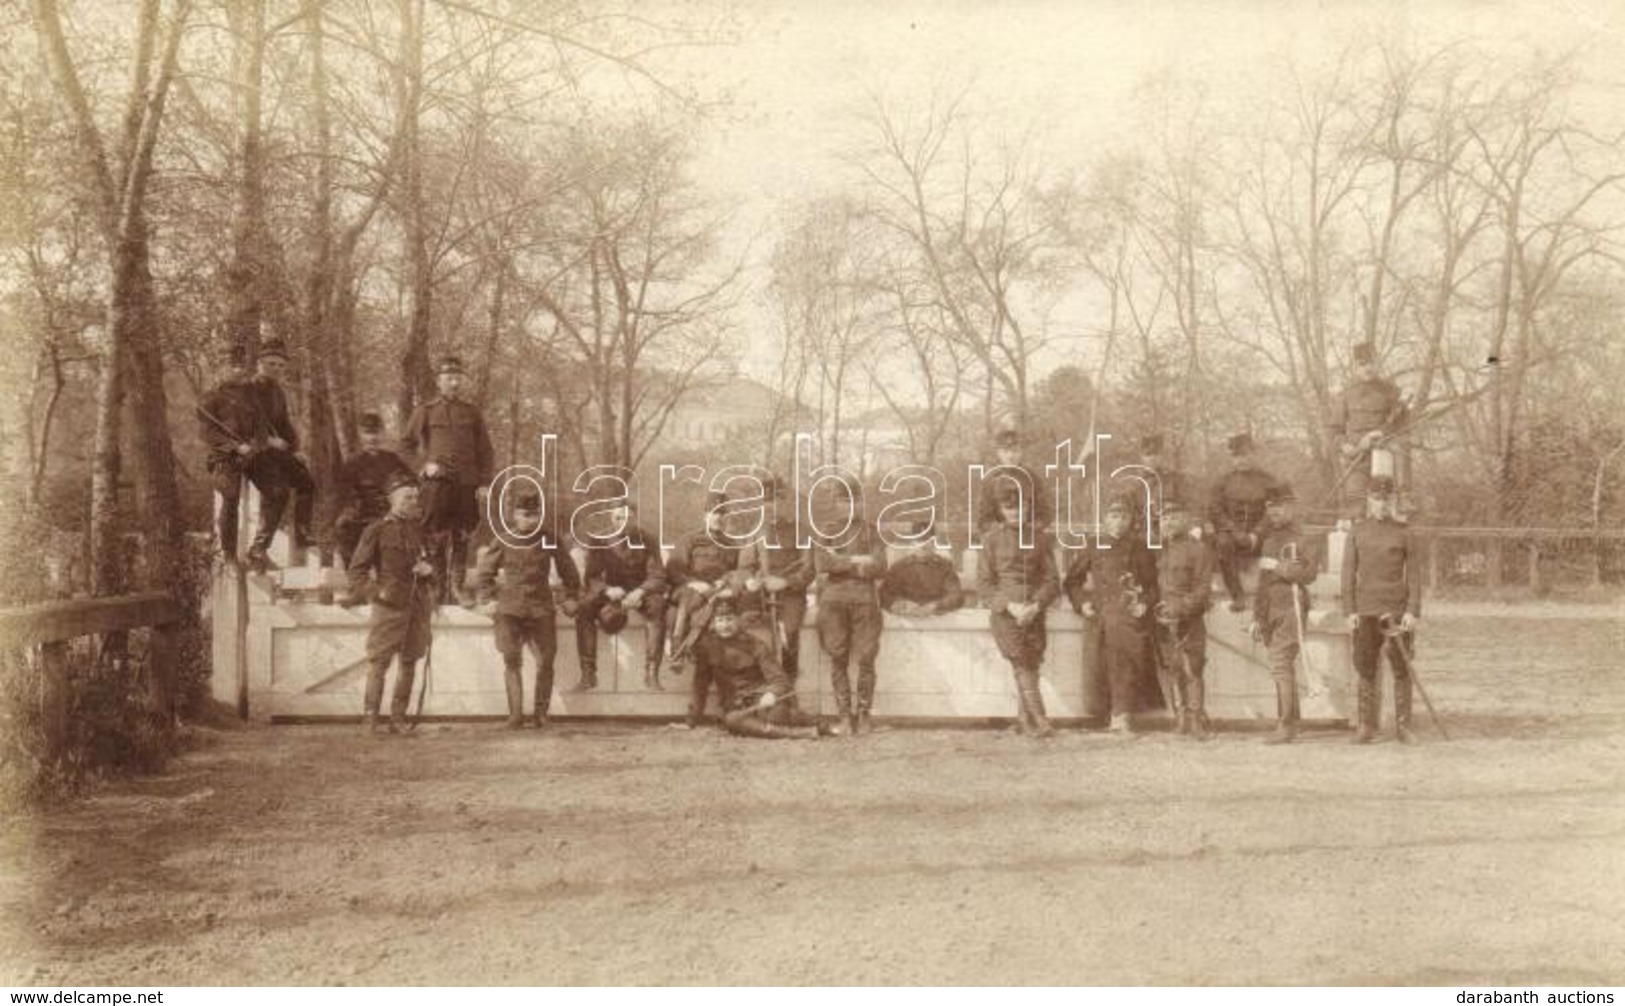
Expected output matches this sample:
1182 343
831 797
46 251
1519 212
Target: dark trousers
347 532
1369 648
513 634
277 475
1122 674
1235 555
850 630
1022 645
451 512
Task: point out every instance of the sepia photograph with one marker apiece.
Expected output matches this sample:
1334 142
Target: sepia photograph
771 493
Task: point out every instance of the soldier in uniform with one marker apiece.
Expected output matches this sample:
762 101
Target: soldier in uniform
229 428
625 577
361 481
524 612
921 581
849 619
1011 472
1364 413
1017 584
1121 578
748 674
694 572
773 577
1382 584
1184 592
247 428
1286 567
448 440
1173 483
1236 511
391 566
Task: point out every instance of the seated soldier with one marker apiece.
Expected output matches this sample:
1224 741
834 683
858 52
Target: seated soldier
748 673
360 485
920 579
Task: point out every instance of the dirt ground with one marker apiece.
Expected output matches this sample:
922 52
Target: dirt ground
618 854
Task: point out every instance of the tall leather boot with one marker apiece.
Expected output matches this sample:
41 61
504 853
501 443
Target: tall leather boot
374 697
1032 701
1402 710
841 685
1195 709
402 699
1366 712
1286 710
1024 716
651 674
866 699
543 695
586 651
515 685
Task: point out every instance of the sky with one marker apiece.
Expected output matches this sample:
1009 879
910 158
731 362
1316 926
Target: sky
800 69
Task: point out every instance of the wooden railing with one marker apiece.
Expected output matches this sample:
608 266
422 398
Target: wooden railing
51 626
1488 556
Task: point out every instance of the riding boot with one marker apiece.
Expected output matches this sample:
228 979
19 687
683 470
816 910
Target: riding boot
1024 714
866 699
841 686
1402 711
402 699
1032 700
374 697
651 674
543 695
1286 706
1366 711
516 696
1195 697
586 653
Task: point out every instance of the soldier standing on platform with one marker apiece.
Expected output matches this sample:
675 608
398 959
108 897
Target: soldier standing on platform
921 581
749 676
524 613
1382 590
1121 578
1185 591
1011 472
361 481
774 575
624 577
1281 606
391 567
849 619
1364 413
448 440
1017 584
1237 513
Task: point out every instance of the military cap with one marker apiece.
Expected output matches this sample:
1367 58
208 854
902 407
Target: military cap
370 422
1380 485
612 618
1007 437
1280 492
400 480
1120 504
1152 443
273 349
1240 442
1007 494
773 487
451 363
714 499
723 606
1365 352
231 353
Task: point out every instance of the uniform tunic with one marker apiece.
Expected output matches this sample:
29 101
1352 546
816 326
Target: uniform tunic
1121 675
1185 589
361 490
849 618
1008 574
629 568
1035 495
1273 607
402 602
1380 577
519 575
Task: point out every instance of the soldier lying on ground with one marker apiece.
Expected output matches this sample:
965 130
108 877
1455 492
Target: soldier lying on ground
747 672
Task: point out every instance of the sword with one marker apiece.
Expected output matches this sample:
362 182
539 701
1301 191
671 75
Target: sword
1395 644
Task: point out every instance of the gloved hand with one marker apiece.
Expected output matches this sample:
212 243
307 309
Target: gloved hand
570 607
776 583
422 569
767 701
633 599
1408 622
1087 610
431 471
614 593
1354 622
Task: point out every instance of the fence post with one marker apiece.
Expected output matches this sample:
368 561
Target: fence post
54 696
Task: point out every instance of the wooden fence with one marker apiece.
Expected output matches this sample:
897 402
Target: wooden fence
51 626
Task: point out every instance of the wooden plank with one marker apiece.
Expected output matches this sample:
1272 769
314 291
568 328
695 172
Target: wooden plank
92 616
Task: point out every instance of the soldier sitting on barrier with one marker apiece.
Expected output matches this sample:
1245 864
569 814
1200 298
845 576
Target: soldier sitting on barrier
360 486
748 674
621 578
391 568
1237 513
919 579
